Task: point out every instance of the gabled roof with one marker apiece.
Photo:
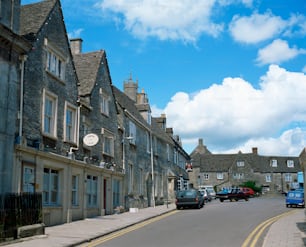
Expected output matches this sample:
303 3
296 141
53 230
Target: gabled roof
33 16
87 66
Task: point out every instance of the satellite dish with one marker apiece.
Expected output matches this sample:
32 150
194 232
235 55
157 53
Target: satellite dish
90 140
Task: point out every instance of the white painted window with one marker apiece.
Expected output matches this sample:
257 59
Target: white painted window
240 163
104 103
220 175
273 163
132 132
92 190
55 65
268 178
51 187
108 142
288 177
290 163
75 190
49 114
70 123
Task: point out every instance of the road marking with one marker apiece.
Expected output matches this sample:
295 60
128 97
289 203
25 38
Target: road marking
126 230
252 239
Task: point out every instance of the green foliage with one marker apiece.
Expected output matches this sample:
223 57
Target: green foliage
252 185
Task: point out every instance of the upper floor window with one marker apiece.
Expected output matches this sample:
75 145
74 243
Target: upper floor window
104 103
148 142
108 142
240 163
219 175
49 114
206 176
168 152
70 123
290 163
273 163
55 62
132 132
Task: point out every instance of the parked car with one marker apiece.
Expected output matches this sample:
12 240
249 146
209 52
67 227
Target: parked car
248 191
207 196
235 194
295 198
191 198
210 189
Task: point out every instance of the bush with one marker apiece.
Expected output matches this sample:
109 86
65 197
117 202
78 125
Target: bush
252 185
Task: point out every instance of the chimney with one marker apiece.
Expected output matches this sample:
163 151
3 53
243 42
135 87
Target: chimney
200 142
76 45
131 88
255 150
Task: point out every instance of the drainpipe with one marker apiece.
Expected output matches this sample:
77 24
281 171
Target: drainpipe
23 58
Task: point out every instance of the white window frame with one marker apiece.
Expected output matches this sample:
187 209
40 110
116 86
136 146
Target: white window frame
273 163
240 163
238 175
268 178
75 190
220 176
92 191
108 142
49 117
70 127
168 152
104 103
288 177
148 142
51 186
206 176
28 179
55 61
132 132
290 163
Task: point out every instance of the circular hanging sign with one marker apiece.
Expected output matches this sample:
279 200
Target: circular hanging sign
90 139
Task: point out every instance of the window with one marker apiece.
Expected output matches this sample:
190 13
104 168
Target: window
273 163
49 114
75 190
92 190
290 163
288 177
219 175
70 123
175 156
132 132
104 103
240 163
108 142
116 192
55 65
130 188
148 142
168 152
28 179
206 176
50 187
238 175
140 184
268 178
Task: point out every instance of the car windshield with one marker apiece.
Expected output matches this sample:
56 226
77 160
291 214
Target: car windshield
187 193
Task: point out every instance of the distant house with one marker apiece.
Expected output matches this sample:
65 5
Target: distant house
272 173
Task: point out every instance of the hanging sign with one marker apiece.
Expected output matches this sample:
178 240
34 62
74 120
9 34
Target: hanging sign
90 140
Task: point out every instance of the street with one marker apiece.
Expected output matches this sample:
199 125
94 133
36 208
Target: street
217 224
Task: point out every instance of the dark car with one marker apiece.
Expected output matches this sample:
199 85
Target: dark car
189 199
235 194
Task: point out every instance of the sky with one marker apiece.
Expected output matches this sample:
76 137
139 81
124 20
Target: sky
231 72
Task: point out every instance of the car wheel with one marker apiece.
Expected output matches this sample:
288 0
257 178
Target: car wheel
178 208
221 200
247 199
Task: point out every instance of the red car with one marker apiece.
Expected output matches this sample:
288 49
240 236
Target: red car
248 191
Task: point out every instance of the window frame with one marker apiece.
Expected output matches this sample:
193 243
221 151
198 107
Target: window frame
220 175
132 132
108 142
75 190
91 191
273 162
290 163
51 187
52 123
73 128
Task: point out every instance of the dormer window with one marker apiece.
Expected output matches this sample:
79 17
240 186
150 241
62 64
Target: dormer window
273 163
240 163
290 163
104 103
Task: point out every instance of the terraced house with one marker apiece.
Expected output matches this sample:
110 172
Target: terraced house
87 147
272 173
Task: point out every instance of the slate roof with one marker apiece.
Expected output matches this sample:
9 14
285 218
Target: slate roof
87 67
33 16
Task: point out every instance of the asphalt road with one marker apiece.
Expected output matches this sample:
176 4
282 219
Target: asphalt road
218 224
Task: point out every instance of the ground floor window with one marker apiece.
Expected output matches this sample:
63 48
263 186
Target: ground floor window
116 192
75 190
51 187
92 190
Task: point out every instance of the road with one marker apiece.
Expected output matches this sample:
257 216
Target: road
217 224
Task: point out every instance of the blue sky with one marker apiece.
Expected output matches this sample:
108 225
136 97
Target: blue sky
231 72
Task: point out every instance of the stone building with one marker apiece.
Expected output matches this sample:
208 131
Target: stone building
13 49
272 173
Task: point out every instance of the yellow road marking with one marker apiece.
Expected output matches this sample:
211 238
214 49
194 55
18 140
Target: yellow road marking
127 230
257 232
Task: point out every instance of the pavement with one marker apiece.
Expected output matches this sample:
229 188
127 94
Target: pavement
287 231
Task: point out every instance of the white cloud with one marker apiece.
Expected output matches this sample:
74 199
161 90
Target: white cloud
75 33
165 19
276 52
304 69
235 115
256 28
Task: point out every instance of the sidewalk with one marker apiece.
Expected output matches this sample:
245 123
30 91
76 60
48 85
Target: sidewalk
289 231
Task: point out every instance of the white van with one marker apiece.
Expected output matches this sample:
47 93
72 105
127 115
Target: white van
210 189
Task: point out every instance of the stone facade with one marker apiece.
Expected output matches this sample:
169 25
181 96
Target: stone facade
272 173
